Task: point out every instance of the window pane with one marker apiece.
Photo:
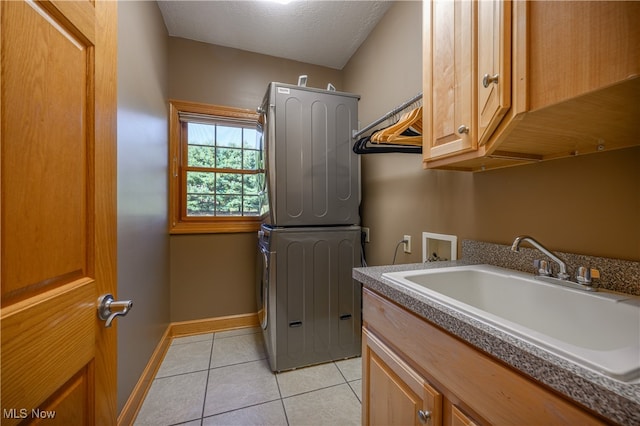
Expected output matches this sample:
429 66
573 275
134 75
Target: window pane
250 139
202 156
200 183
201 205
229 205
251 184
229 158
227 153
229 136
229 184
251 159
200 134
251 205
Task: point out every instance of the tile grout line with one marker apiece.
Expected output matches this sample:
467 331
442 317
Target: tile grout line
242 408
235 363
347 381
340 371
206 386
184 373
284 409
315 390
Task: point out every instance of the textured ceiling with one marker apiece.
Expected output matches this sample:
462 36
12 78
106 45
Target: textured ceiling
324 33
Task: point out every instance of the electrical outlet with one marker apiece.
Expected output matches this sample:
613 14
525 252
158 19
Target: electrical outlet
407 244
365 231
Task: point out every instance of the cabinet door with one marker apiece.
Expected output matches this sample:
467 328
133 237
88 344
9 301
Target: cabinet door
448 86
494 65
393 393
458 418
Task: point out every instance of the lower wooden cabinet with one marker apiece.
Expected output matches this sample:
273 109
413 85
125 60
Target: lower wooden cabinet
417 374
458 418
393 393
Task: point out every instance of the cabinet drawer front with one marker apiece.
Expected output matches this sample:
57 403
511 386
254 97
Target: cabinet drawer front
496 393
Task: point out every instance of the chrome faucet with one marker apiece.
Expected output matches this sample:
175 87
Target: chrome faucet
584 275
562 274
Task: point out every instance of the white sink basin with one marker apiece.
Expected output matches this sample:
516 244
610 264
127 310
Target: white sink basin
600 330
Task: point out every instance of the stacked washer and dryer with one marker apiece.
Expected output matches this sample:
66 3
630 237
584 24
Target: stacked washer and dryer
308 303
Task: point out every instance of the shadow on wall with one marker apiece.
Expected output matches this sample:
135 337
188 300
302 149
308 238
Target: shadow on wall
212 275
585 204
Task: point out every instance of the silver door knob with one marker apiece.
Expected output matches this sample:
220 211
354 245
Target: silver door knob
424 416
487 80
106 305
463 129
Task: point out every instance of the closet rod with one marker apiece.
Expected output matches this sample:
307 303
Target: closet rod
387 115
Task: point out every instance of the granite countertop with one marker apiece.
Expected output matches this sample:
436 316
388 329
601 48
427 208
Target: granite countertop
615 400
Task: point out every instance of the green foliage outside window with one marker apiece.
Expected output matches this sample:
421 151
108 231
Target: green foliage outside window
224 170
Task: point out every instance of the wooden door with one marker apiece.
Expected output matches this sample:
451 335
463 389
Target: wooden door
58 210
448 84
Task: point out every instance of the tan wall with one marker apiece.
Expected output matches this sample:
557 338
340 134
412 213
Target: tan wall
214 275
588 205
202 72
143 244
386 71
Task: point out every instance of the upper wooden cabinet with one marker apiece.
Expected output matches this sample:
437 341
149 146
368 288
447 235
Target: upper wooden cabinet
493 79
563 79
448 63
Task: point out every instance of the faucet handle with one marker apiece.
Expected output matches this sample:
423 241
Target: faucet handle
543 267
585 275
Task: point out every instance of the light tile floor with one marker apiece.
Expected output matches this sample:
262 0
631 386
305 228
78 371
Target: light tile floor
224 379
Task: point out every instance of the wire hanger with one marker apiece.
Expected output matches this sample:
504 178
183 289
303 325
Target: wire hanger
404 136
396 133
388 115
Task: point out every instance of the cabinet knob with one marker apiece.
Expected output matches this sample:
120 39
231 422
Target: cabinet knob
487 80
463 129
424 416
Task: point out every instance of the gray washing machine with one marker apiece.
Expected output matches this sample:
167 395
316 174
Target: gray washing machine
309 305
312 174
